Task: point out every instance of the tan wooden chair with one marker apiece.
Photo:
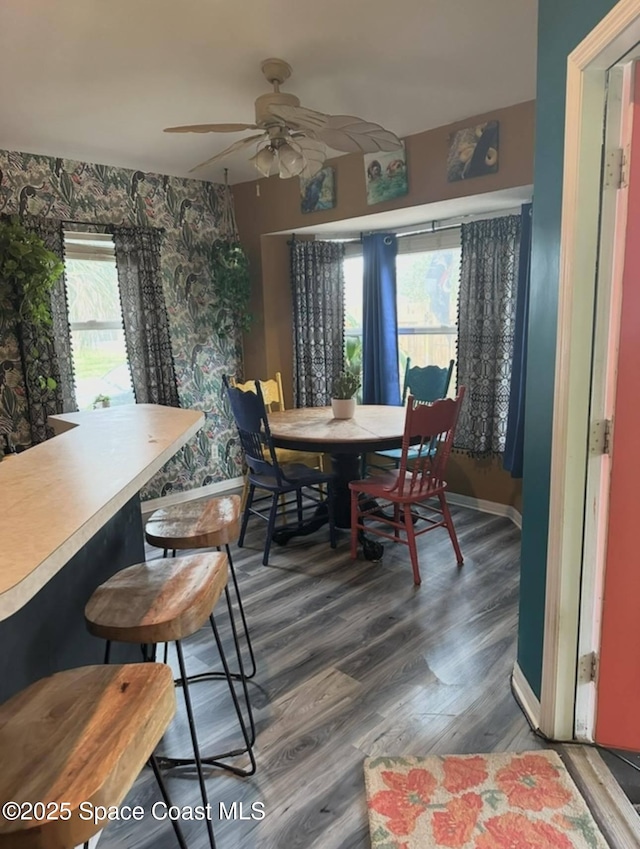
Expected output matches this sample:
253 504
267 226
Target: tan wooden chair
273 395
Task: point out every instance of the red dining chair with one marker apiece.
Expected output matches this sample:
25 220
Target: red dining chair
430 430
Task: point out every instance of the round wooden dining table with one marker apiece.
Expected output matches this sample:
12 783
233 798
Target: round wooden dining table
373 428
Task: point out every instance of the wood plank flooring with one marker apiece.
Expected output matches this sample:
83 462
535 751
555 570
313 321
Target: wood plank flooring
353 660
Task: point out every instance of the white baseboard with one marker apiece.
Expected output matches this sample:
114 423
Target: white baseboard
525 697
484 506
219 488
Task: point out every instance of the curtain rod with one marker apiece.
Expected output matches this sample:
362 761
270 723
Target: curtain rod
64 221
435 226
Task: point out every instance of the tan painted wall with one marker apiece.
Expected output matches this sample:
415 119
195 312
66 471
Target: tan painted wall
269 205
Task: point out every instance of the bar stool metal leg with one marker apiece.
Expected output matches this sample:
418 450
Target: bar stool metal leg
167 800
249 738
245 631
248 734
194 739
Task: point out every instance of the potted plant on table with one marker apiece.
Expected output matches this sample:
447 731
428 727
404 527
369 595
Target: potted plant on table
101 401
343 402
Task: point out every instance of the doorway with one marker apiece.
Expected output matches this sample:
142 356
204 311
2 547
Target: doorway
585 369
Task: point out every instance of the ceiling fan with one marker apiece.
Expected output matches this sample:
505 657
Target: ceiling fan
294 140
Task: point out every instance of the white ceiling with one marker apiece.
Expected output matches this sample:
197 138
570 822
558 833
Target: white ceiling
97 81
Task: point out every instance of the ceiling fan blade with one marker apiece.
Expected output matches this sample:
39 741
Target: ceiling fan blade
298 117
239 145
351 134
211 128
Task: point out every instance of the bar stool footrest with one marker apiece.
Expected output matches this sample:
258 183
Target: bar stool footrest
166 762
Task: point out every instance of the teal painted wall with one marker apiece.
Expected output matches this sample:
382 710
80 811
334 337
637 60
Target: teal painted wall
562 24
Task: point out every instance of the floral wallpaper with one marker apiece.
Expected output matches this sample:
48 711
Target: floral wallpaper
191 213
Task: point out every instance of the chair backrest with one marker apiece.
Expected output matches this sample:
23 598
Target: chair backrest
426 383
271 390
250 414
429 429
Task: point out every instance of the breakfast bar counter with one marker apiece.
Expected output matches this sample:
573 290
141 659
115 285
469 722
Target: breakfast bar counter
69 518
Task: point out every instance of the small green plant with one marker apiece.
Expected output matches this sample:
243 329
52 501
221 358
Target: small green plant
101 401
345 386
231 286
28 271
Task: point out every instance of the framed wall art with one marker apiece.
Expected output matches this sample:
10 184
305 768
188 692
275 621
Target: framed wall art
473 152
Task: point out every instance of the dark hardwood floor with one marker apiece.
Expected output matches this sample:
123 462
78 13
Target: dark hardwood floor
353 660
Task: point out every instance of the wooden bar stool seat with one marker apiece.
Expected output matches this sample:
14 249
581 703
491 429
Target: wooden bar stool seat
166 600
78 736
195 524
160 601
210 523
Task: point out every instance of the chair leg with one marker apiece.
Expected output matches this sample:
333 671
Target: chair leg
245 516
299 506
245 493
354 524
182 843
249 737
271 526
243 617
194 738
243 677
396 519
411 541
331 514
452 531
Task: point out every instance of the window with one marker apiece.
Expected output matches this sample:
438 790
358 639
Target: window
428 280
95 317
353 309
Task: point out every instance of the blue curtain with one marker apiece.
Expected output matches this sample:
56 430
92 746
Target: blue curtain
380 377
513 450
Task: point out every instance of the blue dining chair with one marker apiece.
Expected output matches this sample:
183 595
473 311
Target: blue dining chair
425 384
266 473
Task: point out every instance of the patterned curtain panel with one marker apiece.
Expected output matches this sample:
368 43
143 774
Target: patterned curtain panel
317 283
46 351
486 325
144 313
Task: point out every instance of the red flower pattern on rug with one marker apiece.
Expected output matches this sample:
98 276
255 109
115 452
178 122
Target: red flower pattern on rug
531 783
497 801
464 773
515 831
406 800
454 826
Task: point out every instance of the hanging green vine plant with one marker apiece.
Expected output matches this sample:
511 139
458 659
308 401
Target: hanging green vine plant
230 274
231 287
28 271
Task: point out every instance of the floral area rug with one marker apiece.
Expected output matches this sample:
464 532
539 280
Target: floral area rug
496 801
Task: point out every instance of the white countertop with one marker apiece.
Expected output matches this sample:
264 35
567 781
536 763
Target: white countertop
55 496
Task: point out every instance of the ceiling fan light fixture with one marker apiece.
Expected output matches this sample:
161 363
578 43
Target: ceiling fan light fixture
264 160
292 162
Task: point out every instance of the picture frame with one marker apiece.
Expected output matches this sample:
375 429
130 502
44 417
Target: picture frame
386 175
318 192
474 152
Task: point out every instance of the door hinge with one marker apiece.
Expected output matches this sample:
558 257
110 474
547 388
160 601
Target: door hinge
616 168
600 437
589 667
